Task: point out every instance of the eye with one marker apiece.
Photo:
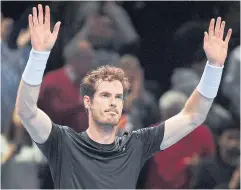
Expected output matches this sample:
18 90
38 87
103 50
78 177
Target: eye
119 97
105 95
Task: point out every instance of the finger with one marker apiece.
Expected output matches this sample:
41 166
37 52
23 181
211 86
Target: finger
228 36
40 14
30 22
35 18
222 30
56 30
217 27
47 18
205 39
211 28
205 36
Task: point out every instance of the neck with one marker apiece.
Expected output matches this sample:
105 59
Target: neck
227 160
101 134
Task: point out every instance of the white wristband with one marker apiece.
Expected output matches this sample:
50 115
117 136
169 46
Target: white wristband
210 81
34 70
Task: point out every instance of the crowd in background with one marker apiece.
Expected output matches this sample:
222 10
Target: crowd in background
93 34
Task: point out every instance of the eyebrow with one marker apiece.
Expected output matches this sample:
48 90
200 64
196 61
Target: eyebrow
110 93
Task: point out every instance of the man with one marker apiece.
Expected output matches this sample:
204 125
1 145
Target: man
97 158
231 82
59 95
171 169
108 28
223 170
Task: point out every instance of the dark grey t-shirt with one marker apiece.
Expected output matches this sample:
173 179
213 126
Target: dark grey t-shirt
78 162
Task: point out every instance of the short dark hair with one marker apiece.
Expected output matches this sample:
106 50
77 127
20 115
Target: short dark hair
105 73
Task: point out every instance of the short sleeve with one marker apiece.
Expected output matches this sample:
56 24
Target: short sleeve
53 148
151 138
53 145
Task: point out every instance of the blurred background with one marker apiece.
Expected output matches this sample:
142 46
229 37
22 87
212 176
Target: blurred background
159 46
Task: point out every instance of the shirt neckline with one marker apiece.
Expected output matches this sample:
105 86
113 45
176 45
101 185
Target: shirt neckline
99 146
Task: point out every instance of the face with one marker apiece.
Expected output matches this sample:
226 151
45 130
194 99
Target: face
107 103
131 70
101 30
82 62
230 147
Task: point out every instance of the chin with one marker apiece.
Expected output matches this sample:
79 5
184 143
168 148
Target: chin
112 123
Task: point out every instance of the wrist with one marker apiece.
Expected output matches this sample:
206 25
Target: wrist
210 81
215 64
34 70
39 53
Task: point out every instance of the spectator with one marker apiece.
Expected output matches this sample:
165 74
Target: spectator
109 30
13 62
59 95
171 169
6 26
231 82
222 170
140 106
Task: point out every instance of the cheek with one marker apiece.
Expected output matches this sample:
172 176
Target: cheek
120 107
100 106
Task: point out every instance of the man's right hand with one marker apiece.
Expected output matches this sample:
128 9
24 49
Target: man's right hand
41 37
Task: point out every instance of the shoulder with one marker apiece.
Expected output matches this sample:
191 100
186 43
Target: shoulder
70 133
203 131
128 137
152 131
53 76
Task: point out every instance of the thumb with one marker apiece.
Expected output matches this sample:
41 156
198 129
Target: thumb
56 30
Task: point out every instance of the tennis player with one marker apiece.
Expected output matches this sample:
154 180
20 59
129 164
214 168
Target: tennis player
97 158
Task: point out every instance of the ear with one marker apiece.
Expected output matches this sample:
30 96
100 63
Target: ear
87 102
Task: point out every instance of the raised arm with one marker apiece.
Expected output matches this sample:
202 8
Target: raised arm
197 106
36 122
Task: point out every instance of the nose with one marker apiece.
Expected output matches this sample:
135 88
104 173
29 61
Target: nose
113 102
234 142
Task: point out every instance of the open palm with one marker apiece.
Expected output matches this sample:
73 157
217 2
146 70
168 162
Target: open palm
214 46
42 38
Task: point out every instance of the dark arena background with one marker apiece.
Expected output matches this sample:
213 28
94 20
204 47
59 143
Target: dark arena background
160 46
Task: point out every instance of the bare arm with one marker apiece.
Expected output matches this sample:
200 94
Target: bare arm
199 103
193 115
36 122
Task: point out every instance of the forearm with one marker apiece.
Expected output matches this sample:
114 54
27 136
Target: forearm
196 108
36 122
200 102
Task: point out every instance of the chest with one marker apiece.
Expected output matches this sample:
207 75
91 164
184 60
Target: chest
219 174
119 169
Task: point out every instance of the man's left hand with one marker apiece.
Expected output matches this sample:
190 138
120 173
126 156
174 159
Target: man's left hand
214 46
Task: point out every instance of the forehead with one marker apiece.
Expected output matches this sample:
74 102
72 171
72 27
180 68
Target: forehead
113 87
231 133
